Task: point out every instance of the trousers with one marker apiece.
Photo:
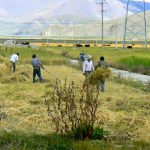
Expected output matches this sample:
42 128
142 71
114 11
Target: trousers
13 66
87 73
101 85
38 73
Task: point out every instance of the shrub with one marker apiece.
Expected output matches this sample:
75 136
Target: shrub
83 131
98 133
73 109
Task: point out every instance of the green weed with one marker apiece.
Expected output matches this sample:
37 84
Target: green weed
136 64
18 140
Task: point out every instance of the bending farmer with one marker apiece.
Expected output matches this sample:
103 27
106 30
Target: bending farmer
14 58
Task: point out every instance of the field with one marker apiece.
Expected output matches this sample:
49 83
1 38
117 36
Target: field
24 123
136 60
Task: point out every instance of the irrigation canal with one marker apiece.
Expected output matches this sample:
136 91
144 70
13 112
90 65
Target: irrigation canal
123 73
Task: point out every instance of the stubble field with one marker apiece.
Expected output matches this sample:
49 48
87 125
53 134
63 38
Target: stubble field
124 110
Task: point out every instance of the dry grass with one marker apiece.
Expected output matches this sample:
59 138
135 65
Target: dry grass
124 110
23 101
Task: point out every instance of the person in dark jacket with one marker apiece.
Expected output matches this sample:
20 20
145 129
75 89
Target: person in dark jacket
101 84
37 65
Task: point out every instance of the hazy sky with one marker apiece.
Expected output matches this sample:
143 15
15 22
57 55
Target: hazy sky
15 8
21 7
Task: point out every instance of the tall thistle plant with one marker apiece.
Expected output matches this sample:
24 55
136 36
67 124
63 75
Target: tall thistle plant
73 109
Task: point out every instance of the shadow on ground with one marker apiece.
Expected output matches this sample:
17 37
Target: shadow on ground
18 141
21 141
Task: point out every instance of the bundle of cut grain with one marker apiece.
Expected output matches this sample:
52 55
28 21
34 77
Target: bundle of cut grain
99 74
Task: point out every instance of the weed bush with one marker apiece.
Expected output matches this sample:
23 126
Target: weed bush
73 109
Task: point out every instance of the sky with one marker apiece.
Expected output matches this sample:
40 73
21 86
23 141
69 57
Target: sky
17 8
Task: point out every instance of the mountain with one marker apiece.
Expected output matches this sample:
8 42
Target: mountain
78 11
8 27
71 12
64 13
112 29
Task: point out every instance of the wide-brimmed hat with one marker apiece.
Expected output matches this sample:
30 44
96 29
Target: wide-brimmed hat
89 56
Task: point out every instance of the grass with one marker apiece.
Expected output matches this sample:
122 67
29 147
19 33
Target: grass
136 64
136 60
18 140
21 141
25 56
131 83
124 110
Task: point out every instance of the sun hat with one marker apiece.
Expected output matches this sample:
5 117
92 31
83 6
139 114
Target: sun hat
89 56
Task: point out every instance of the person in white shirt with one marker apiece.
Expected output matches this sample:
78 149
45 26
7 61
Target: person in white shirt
13 59
88 66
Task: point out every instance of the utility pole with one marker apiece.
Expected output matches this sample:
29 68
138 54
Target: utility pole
116 34
96 34
125 26
102 19
26 34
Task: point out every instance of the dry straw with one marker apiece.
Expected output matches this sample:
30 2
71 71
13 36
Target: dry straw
99 74
23 73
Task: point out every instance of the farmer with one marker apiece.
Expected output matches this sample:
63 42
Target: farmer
37 65
14 59
101 63
88 66
82 56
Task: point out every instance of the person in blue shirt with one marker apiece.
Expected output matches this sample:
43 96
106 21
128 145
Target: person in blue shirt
37 65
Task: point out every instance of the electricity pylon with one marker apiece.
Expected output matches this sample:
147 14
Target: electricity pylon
135 23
